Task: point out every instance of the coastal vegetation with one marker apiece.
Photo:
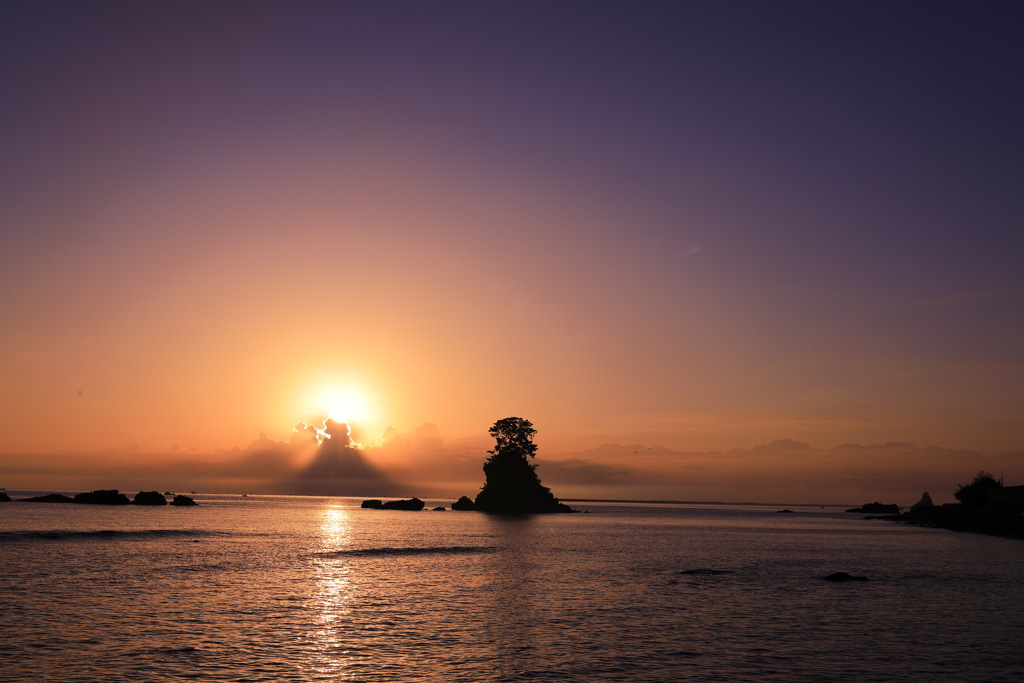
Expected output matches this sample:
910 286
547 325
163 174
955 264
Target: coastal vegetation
974 495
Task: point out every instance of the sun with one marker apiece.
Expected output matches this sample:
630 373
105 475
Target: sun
343 404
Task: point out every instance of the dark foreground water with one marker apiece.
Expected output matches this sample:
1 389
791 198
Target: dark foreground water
316 589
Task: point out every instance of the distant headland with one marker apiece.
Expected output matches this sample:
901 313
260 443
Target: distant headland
985 506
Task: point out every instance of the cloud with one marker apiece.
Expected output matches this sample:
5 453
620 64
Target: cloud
426 463
305 437
782 471
339 467
262 459
579 471
429 436
782 445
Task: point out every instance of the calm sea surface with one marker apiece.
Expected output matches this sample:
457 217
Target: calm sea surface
278 588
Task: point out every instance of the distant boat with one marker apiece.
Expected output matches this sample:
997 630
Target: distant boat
245 495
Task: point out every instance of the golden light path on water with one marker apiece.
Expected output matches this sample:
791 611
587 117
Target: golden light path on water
332 603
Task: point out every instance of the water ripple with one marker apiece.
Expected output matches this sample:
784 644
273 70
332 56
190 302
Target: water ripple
106 534
435 550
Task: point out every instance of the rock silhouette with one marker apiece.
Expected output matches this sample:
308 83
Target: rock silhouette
463 503
924 504
149 498
409 504
109 497
877 508
102 497
49 498
512 484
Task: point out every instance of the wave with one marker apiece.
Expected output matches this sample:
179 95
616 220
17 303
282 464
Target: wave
433 550
103 534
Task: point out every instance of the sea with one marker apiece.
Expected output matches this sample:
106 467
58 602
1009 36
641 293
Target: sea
289 588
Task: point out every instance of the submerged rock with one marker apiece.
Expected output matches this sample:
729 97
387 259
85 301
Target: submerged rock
373 504
149 498
182 501
4 497
843 576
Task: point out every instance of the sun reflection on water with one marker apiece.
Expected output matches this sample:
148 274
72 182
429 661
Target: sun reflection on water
332 600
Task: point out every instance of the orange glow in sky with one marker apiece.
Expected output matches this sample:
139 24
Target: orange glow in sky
345 405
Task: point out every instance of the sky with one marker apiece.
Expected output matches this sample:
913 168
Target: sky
686 227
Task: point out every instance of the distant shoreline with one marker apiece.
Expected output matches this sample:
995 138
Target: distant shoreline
703 502
573 500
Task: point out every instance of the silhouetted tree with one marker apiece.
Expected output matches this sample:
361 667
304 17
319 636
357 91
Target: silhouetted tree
973 495
513 438
512 484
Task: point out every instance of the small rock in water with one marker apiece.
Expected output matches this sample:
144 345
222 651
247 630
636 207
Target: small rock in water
410 504
463 503
878 508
